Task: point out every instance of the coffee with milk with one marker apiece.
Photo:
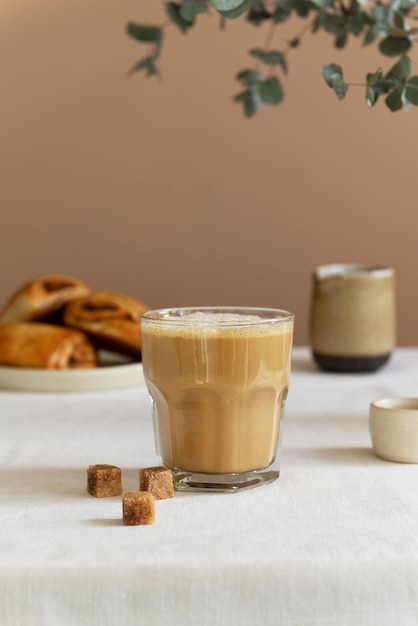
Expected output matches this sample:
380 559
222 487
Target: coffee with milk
217 381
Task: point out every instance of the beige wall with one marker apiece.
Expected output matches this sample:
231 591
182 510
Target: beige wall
162 189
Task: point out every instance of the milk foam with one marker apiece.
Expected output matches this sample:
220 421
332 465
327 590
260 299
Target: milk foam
216 323
205 317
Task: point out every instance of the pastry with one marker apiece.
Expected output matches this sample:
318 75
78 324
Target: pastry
110 318
34 344
42 297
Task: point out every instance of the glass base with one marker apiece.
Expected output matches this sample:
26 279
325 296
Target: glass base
227 483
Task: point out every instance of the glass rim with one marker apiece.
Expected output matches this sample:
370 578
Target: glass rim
266 315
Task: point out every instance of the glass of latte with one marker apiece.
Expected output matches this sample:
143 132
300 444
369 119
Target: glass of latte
218 379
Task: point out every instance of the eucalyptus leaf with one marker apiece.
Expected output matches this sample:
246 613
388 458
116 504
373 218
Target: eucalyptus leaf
257 14
356 21
226 5
371 34
374 90
341 39
394 99
340 88
330 71
378 83
189 9
256 96
380 12
251 100
333 76
401 70
322 4
398 32
371 96
332 23
173 10
281 14
144 33
271 57
250 77
411 90
399 20
231 9
374 78
271 91
316 24
146 64
394 46
285 5
303 7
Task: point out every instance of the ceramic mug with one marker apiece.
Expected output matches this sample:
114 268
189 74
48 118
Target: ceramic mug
393 424
353 317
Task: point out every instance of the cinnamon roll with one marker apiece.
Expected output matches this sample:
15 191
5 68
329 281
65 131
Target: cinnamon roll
42 298
110 318
39 345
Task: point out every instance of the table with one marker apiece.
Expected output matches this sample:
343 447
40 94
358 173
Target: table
333 542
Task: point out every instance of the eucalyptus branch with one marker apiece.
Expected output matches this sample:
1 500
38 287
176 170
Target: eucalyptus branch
385 24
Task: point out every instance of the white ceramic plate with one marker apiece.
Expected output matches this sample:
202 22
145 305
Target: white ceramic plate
115 373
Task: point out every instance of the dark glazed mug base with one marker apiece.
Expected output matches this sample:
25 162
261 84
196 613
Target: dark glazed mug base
350 364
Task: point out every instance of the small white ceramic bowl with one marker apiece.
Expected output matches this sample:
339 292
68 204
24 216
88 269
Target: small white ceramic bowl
393 424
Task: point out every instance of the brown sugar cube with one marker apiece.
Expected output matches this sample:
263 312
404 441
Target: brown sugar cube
138 508
104 481
158 481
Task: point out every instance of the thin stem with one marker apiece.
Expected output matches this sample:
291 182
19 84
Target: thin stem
267 42
270 34
298 35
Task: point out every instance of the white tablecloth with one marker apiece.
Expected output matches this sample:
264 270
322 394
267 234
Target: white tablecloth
333 542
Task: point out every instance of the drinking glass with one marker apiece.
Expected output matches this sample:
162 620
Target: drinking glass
218 379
